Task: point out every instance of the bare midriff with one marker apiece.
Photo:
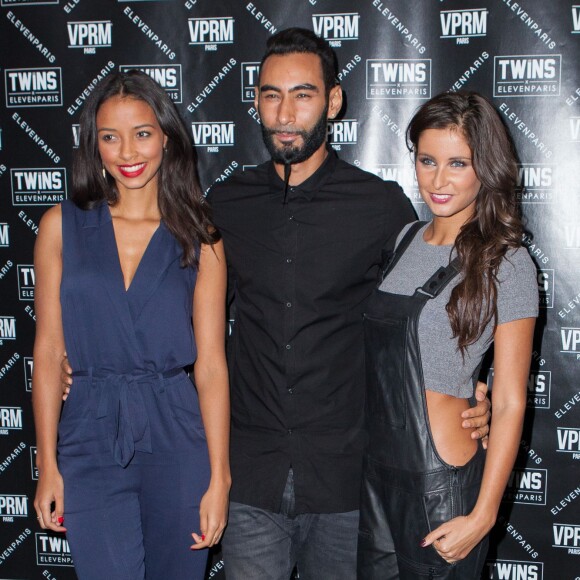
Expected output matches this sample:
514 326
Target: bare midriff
453 443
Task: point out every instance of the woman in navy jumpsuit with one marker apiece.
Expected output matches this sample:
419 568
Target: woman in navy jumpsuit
141 477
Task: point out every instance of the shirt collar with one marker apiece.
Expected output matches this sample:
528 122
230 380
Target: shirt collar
307 188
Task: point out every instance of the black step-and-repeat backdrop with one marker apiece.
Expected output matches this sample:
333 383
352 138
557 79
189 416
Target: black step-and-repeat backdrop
393 55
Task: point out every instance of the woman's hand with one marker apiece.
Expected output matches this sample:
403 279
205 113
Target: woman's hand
49 492
454 539
213 516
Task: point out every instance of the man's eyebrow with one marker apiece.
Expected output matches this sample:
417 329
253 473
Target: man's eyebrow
302 87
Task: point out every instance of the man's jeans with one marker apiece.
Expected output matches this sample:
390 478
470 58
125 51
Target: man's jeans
263 545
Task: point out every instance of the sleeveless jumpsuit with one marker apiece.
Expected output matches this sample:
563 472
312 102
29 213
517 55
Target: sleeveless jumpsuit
407 490
131 448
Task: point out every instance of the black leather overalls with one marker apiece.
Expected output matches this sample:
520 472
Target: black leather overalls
407 490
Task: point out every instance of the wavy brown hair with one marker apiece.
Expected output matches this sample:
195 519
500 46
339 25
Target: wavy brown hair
180 198
495 226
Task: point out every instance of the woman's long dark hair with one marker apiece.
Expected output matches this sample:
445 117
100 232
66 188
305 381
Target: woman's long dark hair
495 225
180 199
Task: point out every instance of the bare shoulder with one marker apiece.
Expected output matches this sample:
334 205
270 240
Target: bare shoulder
50 229
51 220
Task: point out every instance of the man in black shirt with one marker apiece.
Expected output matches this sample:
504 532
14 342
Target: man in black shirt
303 235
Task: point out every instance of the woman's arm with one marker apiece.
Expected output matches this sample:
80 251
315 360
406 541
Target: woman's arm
512 353
48 352
211 379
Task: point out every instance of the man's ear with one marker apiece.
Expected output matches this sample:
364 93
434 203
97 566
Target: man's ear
334 101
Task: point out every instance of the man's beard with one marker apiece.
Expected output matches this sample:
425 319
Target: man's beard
289 154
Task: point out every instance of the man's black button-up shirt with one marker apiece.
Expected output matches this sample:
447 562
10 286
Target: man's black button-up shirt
301 272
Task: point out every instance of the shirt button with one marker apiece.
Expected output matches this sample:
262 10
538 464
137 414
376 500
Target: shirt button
288 260
288 304
290 390
288 347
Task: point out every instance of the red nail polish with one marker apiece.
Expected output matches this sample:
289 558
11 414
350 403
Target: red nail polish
60 520
423 543
202 537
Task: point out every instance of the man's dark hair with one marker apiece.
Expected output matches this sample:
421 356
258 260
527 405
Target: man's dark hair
302 40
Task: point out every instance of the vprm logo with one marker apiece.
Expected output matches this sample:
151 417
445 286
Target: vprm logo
463 24
527 75
4 235
76 135
336 27
168 76
398 78
10 419
7 328
250 77
33 87
567 536
574 129
13 506
342 132
576 19
90 35
211 31
213 135
569 440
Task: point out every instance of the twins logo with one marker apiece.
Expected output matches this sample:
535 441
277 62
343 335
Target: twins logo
28 368
250 78
527 75
539 389
167 76
463 24
398 78
33 87
535 183
26 282
90 35
546 288
38 186
514 570
528 486
336 27
52 551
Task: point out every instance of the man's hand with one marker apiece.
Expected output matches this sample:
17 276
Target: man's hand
477 418
65 377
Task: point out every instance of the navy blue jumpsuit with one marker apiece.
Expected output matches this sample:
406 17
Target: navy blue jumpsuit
131 448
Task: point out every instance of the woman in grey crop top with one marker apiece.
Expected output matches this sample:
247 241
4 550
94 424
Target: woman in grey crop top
454 286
